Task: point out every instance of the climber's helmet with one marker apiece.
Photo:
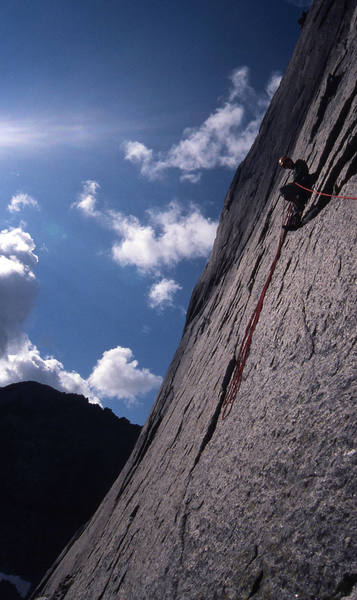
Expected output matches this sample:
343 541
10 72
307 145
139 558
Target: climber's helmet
286 162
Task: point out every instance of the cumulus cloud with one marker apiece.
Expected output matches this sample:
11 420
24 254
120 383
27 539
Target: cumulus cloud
86 202
138 153
18 285
116 374
170 236
161 294
23 362
222 140
20 200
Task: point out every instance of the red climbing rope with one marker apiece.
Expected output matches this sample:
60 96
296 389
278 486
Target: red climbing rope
243 353
323 194
247 338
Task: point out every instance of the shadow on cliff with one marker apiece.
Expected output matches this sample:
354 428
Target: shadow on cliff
331 187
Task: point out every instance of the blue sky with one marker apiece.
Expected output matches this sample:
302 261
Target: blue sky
121 125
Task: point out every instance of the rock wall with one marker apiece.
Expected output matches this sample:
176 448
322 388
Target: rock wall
263 504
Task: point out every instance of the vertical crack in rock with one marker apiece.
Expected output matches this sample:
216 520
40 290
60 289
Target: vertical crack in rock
256 586
207 437
351 171
332 84
254 272
336 129
348 154
213 423
279 295
115 562
345 587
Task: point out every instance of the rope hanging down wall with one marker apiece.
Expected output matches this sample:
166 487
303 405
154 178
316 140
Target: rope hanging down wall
247 338
243 353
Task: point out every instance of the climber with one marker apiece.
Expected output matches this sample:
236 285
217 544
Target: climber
291 193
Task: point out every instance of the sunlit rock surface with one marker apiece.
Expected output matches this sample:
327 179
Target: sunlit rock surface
263 504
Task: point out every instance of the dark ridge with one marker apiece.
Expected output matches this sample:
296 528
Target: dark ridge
254 272
346 586
330 142
348 154
213 423
256 585
59 455
332 84
351 171
8 591
266 225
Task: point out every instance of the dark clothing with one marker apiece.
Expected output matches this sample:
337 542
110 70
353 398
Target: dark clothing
297 196
291 193
300 171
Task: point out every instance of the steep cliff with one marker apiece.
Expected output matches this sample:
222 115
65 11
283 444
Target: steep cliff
262 504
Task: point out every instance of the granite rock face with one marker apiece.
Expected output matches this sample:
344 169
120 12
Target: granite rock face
263 504
59 455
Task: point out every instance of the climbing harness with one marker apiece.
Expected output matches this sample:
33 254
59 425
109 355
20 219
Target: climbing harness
247 338
323 194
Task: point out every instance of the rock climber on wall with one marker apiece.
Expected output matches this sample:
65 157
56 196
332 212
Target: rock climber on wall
291 193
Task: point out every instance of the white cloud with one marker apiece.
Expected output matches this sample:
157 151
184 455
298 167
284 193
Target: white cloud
23 362
87 198
20 200
161 293
222 140
204 147
18 285
240 84
169 237
20 360
273 84
37 133
191 177
117 375
138 153
14 242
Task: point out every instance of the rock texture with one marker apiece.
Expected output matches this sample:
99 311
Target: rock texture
263 504
59 455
